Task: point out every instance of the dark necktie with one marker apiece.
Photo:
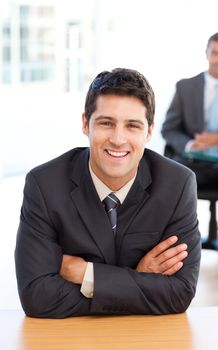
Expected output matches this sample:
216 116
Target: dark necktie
111 203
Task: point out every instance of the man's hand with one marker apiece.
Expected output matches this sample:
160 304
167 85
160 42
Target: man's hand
73 268
205 140
163 259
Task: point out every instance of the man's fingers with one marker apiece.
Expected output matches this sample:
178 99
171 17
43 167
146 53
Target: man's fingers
168 264
173 269
164 258
172 252
161 247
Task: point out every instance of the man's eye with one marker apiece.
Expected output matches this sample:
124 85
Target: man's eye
106 123
134 126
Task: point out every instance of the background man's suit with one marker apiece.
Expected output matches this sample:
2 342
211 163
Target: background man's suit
62 214
184 119
185 116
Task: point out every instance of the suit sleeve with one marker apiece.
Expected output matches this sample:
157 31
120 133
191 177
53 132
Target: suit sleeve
125 291
43 292
173 129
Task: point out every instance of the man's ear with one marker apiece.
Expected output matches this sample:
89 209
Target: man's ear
150 132
85 126
206 53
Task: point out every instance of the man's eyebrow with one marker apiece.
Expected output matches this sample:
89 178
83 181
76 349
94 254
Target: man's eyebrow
104 117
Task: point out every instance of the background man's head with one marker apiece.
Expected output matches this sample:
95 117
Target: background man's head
212 55
121 82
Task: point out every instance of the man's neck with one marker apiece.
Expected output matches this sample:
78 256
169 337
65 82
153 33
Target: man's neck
212 75
104 188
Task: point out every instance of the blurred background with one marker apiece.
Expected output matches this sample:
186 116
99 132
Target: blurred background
49 53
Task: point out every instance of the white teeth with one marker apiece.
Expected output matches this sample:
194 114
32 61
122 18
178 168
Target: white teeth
117 154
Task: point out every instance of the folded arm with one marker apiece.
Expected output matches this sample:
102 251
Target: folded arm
163 258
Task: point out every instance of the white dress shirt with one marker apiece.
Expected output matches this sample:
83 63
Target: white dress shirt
210 91
87 287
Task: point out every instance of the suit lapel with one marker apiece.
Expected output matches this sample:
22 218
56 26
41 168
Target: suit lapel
91 210
134 201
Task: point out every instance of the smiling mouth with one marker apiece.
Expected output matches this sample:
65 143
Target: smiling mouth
117 154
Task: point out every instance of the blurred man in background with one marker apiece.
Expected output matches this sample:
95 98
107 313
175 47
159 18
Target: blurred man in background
191 125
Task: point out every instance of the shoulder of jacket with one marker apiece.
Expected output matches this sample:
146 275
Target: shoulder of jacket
60 161
165 163
188 81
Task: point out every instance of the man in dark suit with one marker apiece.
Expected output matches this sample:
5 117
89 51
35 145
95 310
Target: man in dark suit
110 229
187 125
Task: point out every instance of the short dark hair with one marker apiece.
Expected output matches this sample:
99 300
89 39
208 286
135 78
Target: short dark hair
121 82
213 37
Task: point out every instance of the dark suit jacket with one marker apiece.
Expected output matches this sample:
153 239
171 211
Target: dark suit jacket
62 214
185 116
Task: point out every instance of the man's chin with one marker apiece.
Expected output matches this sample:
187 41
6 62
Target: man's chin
116 174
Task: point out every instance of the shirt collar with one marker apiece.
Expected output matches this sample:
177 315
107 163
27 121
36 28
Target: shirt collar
103 191
211 81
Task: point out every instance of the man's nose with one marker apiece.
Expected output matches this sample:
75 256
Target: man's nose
117 136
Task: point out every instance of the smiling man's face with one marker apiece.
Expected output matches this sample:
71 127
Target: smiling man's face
118 131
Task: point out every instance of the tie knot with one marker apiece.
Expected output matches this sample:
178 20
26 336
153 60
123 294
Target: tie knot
111 201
